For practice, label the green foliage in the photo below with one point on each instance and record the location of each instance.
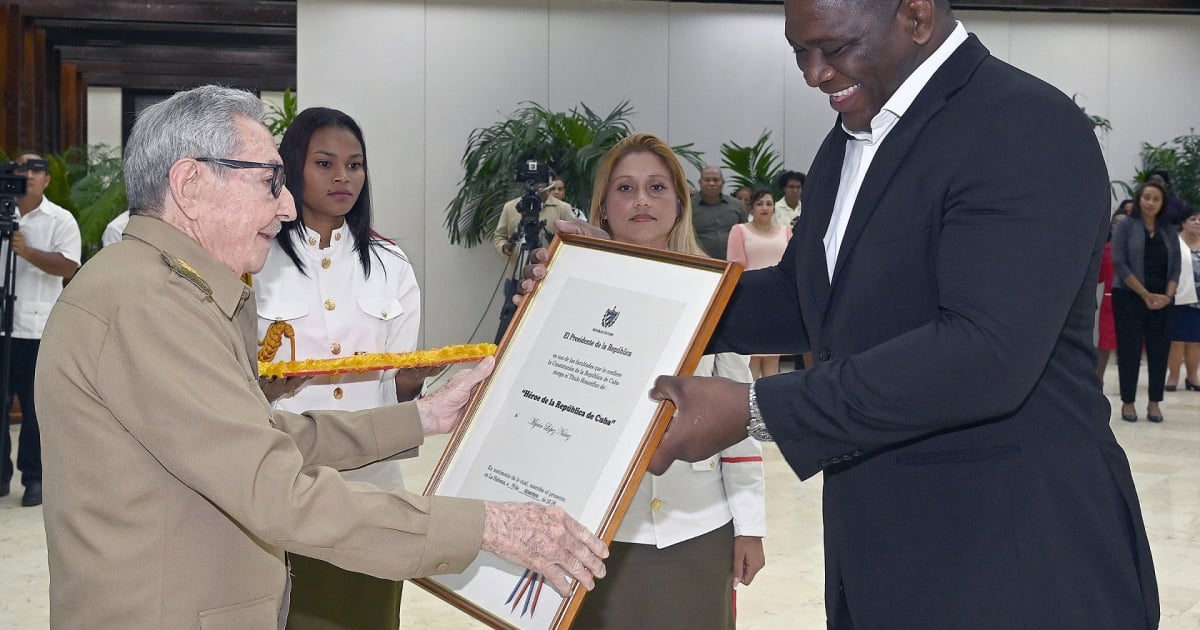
(1100, 124)
(756, 166)
(1180, 157)
(280, 118)
(573, 143)
(90, 184)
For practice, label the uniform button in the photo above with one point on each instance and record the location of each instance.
(337, 393)
(824, 354)
(655, 504)
(443, 567)
(383, 314)
(312, 240)
(337, 237)
(336, 348)
(325, 262)
(329, 305)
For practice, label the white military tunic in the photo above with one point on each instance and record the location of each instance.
(336, 312)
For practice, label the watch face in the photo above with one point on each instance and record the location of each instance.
(758, 430)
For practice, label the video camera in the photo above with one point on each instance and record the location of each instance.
(12, 186)
(536, 176)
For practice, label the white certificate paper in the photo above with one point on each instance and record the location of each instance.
(566, 418)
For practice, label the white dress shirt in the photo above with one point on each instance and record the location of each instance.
(862, 145)
(50, 228)
(336, 311)
(115, 229)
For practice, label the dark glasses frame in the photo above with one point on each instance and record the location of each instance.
(277, 177)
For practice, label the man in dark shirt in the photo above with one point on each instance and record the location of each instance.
(714, 213)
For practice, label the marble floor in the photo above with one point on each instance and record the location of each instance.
(788, 592)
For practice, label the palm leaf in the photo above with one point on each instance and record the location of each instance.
(756, 166)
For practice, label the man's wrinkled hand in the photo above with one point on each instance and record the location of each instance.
(711, 415)
(546, 540)
(441, 410)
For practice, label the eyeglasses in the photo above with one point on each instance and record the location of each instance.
(277, 179)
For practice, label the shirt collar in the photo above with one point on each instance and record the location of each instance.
(903, 98)
(228, 289)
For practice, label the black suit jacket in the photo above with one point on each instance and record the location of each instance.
(971, 478)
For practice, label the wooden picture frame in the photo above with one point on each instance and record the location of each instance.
(566, 418)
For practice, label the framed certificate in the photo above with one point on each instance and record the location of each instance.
(566, 418)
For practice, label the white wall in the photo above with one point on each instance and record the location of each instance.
(104, 116)
(420, 75)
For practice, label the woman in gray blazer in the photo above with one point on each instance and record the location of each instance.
(1145, 252)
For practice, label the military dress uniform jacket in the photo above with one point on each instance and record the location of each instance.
(172, 487)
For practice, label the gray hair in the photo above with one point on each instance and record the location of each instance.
(195, 123)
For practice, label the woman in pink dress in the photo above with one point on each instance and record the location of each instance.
(756, 244)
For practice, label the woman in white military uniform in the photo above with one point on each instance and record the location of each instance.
(344, 290)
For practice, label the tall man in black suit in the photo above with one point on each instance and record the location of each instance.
(943, 275)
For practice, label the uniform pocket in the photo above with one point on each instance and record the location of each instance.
(281, 310)
(34, 313)
(380, 307)
(261, 613)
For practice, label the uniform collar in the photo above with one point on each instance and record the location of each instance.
(225, 287)
(310, 240)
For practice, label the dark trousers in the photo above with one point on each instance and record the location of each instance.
(687, 585)
(507, 308)
(1136, 326)
(29, 447)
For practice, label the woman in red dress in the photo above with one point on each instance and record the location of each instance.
(1108, 330)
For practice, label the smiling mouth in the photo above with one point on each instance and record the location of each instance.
(843, 94)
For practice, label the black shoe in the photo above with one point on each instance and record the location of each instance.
(1129, 417)
(33, 494)
(1171, 388)
(1153, 418)
(1191, 388)
(5, 488)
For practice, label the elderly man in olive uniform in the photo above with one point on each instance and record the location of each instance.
(172, 487)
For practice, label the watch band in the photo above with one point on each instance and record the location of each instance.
(757, 428)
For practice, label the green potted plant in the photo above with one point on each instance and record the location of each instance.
(572, 142)
(757, 165)
(280, 117)
(1180, 157)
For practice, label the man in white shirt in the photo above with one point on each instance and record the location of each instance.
(47, 247)
(787, 210)
(115, 229)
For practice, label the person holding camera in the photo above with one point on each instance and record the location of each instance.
(47, 245)
(509, 238)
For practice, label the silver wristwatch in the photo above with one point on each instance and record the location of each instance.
(757, 429)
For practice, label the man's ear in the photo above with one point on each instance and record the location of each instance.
(922, 15)
(184, 182)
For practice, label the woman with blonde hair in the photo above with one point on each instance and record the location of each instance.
(694, 532)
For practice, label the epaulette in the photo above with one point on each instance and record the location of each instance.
(187, 272)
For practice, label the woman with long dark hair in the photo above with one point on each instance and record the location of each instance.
(345, 290)
(1146, 261)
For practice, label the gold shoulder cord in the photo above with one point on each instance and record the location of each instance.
(187, 272)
